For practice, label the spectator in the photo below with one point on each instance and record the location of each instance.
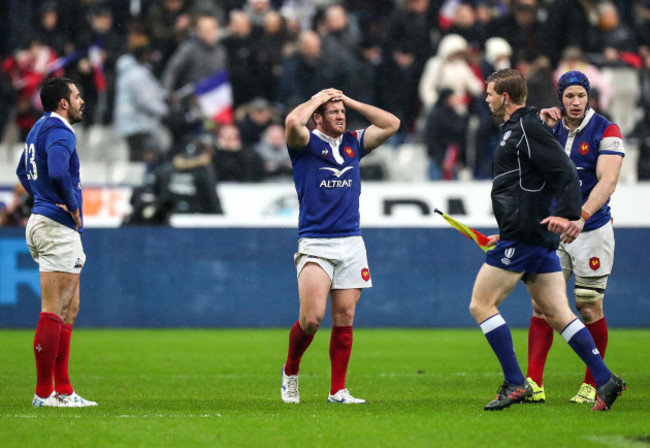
(340, 39)
(397, 81)
(193, 183)
(139, 102)
(539, 77)
(613, 39)
(234, 161)
(257, 11)
(96, 71)
(411, 27)
(273, 44)
(640, 136)
(302, 73)
(273, 152)
(574, 19)
(497, 56)
(169, 22)
(25, 70)
(49, 29)
(20, 209)
(198, 57)
(522, 28)
(465, 23)
(644, 78)
(642, 27)
(254, 118)
(152, 203)
(445, 135)
(450, 68)
(243, 66)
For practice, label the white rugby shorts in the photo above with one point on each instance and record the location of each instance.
(55, 247)
(343, 259)
(591, 254)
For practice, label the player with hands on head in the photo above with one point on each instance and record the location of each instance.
(331, 258)
(595, 146)
(49, 171)
(530, 173)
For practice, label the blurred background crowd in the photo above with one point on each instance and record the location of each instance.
(195, 91)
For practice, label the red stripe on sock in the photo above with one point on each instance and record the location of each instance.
(540, 339)
(340, 350)
(61, 377)
(600, 335)
(46, 344)
(298, 343)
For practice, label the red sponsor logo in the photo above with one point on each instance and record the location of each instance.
(349, 151)
(365, 274)
(594, 263)
(584, 148)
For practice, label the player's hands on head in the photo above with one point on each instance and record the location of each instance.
(551, 115)
(326, 95)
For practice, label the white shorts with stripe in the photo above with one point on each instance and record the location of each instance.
(343, 259)
(55, 247)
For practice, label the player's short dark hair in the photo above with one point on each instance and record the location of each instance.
(53, 90)
(510, 81)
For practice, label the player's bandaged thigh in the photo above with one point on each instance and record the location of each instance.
(590, 289)
(300, 260)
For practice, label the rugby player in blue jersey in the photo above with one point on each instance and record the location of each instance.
(331, 258)
(535, 196)
(595, 146)
(49, 171)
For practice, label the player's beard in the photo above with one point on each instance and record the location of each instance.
(76, 116)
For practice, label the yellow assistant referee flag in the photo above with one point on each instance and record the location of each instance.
(480, 239)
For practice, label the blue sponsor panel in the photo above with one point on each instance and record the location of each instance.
(164, 277)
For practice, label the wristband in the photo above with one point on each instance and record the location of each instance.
(585, 215)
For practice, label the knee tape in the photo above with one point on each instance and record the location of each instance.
(590, 289)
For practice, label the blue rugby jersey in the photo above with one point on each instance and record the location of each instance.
(49, 169)
(595, 136)
(328, 183)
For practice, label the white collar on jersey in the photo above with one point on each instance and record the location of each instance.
(334, 143)
(55, 115)
(585, 121)
(328, 139)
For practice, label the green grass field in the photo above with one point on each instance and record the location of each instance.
(194, 388)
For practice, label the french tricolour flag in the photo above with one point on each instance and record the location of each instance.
(214, 96)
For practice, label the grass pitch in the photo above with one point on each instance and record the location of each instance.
(194, 388)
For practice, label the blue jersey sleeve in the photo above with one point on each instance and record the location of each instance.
(21, 172)
(60, 147)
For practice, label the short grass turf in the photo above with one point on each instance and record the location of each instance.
(195, 388)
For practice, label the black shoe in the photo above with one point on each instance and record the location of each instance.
(607, 394)
(509, 394)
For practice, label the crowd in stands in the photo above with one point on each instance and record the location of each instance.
(139, 63)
